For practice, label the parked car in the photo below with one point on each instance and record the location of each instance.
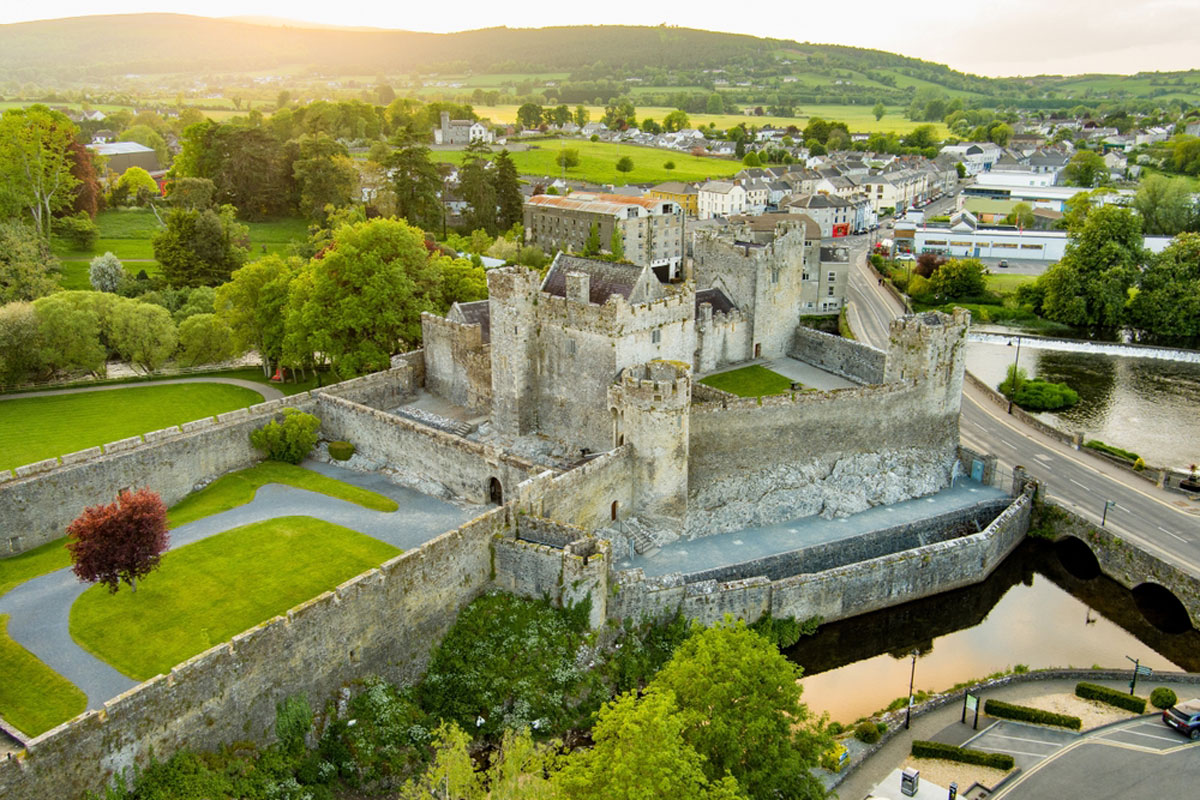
(1003, 264)
(1185, 718)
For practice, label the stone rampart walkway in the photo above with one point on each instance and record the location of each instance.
(40, 608)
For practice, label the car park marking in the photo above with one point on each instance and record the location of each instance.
(1147, 735)
(1024, 739)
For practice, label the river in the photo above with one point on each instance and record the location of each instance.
(1031, 611)
(1148, 406)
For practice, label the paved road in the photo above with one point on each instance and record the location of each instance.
(1164, 523)
(40, 608)
(268, 392)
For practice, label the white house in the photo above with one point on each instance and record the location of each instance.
(976, 157)
(720, 199)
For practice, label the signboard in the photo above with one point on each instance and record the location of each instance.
(1144, 671)
(972, 702)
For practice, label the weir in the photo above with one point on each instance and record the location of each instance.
(1085, 346)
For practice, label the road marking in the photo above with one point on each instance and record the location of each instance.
(1080, 485)
(1024, 739)
(1010, 752)
(1139, 733)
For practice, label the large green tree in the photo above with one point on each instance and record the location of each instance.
(1167, 304)
(27, 267)
(20, 345)
(958, 279)
(1166, 205)
(254, 306)
(739, 700)
(200, 248)
(249, 166)
(509, 202)
(477, 187)
(36, 165)
(417, 184)
(1085, 168)
(1089, 287)
(361, 300)
(145, 334)
(69, 335)
(324, 174)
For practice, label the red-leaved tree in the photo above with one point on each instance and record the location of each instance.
(121, 541)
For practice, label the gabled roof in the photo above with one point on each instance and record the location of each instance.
(674, 187)
(606, 278)
(716, 298)
(120, 148)
(477, 313)
(718, 187)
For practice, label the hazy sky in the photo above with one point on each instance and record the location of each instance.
(1012, 37)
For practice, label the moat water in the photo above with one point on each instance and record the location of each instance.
(1145, 405)
(1031, 611)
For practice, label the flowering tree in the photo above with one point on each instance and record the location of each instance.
(121, 541)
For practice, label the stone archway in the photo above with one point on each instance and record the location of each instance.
(1077, 558)
(495, 491)
(1161, 608)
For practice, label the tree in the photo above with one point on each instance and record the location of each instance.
(148, 137)
(362, 300)
(194, 194)
(20, 343)
(715, 104)
(1090, 285)
(27, 266)
(462, 282)
(36, 164)
(1165, 205)
(616, 244)
(69, 335)
(119, 542)
(1167, 304)
(675, 121)
(106, 273)
(625, 164)
(641, 753)
(739, 701)
(509, 201)
(290, 440)
(1021, 216)
(144, 334)
(254, 305)
(134, 186)
(751, 159)
(668, 165)
(200, 248)
(87, 192)
(417, 183)
(567, 158)
(324, 174)
(591, 246)
(79, 231)
(1084, 169)
(529, 115)
(477, 188)
(1000, 133)
(582, 115)
(959, 279)
(922, 136)
(879, 110)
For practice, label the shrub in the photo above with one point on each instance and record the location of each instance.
(783, 632)
(624, 164)
(950, 752)
(289, 441)
(1139, 465)
(105, 273)
(834, 728)
(998, 708)
(831, 759)
(341, 451)
(669, 165)
(866, 732)
(1162, 697)
(1096, 444)
(79, 231)
(1091, 691)
(1039, 395)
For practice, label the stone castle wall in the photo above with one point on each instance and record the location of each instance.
(382, 622)
(583, 496)
(721, 339)
(458, 365)
(850, 359)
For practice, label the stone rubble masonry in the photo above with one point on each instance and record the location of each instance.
(853, 360)
(458, 365)
(589, 496)
(382, 622)
(722, 339)
(832, 594)
(567, 573)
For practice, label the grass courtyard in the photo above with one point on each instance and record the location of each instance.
(207, 592)
(33, 697)
(35, 428)
(751, 381)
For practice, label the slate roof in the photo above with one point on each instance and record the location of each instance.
(477, 313)
(716, 298)
(606, 278)
(674, 187)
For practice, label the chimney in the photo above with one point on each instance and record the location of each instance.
(579, 287)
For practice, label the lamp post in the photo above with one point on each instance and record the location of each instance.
(1012, 388)
(1104, 517)
(911, 678)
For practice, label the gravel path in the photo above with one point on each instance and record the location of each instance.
(268, 392)
(40, 608)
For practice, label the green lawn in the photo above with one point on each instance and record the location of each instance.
(33, 697)
(255, 374)
(1005, 284)
(598, 162)
(16, 570)
(35, 428)
(207, 592)
(239, 488)
(751, 381)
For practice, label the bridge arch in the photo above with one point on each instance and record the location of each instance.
(1077, 558)
(1161, 608)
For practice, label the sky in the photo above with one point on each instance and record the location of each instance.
(1013, 37)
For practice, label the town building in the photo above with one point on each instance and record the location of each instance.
(461, 131)
(686, 195)
(721, 199)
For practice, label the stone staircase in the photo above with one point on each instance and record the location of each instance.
(456, 427)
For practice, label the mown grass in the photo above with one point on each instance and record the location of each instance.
(33, 697)
(207, 592)
(751, 381)
(1005, 284)
(239, 488)
(36, 428)
(48, 557)
(254, 374)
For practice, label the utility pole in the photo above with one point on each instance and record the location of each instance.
(911, 679)
(1012, 388)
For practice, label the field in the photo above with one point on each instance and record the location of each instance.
(1004, 285)
(35, 428)
(33, 697)
(598, 163)
(859, 119)
(207, 592)
(751, 381)
(127, 234)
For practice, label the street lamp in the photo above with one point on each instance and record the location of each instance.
(911, 678)
(1012, 387)
(1107, 505)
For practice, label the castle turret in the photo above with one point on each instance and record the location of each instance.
(650, 408)
(930, 347)
(512, 294)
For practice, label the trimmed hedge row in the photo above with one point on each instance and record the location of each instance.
(950, 752)
(1091, 691)
(998, 708)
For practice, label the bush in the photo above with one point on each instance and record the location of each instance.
(867, 732)
(831, 759)
(341, 451)
(783, 632)
(669, 165)
(950, 752)
(289, 441)
(1039, 395)
(106, 274)
(1096, 444)
(998, 708)
(1139, 465)
(1091, 691)
(79, 231)
(1162, 697)
(834, 728)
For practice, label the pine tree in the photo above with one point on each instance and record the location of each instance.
(508, 190)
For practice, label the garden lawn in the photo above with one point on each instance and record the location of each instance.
(207, 592)
(239, 488)
(35, 428)
(751, 381)
(33, 697)
(598, 162)
(15, 570)
(1006, 284)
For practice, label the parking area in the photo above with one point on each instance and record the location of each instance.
(1016, 266)
(1029, 745)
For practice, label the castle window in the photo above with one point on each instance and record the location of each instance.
(656, 336)
(570, 347)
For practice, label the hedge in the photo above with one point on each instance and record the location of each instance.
(342, 451)
(998, 708)
(1091, 691)
(951, 752)
(1096, 444)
